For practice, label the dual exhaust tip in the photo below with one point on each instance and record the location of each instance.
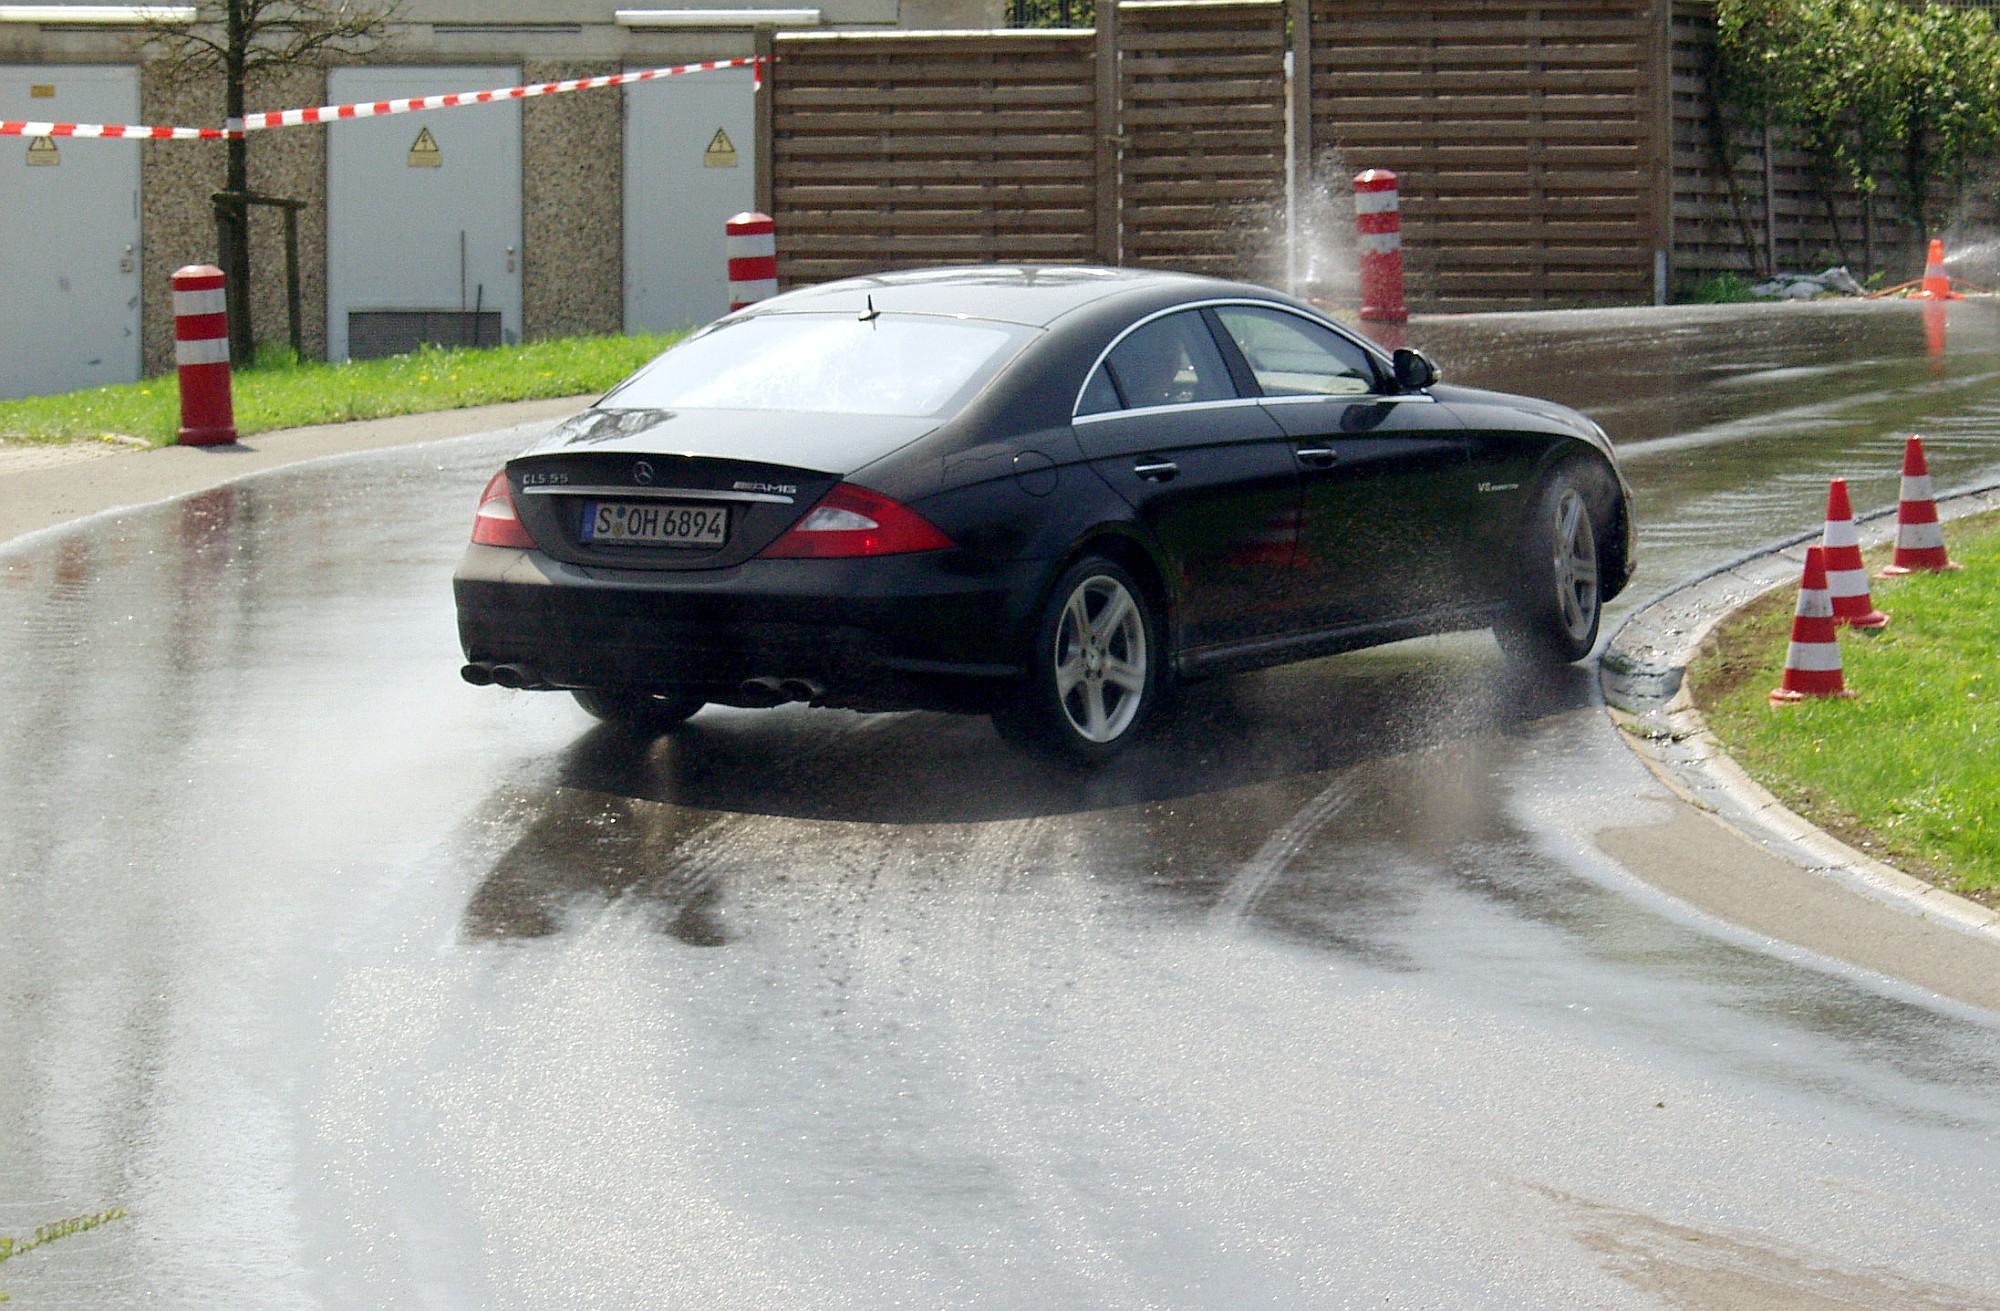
(481, 673)
(758, 692)
(778, 691)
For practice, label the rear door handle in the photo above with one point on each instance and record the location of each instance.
(1319, 457)
(1157, 471)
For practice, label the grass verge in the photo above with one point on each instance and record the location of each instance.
(1909, 769)
(279, 393)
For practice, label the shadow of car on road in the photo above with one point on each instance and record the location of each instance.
(656, 819)
(919, 768)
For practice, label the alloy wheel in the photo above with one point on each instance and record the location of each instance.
(1100, 659)
(1575, 565)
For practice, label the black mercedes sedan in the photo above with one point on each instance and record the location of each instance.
(1045, 494)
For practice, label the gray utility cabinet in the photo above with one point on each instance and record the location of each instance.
(423, 214)
(69, 232)
(690, 165)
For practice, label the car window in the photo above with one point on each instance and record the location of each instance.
(1099, 396)
(907, 365)
(1170, 361)
(1292, 356)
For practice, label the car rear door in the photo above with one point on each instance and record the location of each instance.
(1209, 472)
(1385, 475)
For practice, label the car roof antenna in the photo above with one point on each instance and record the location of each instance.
(871, 313)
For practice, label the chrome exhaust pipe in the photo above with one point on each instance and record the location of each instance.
(479, 675)
(763, 692)
(516, 676)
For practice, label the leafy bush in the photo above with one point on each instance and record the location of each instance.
(1883, 94)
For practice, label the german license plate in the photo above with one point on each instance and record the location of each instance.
(654, 523)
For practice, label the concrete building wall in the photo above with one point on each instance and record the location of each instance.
(178, 218)
(572, 145)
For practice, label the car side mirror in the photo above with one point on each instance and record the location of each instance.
(1414, 370)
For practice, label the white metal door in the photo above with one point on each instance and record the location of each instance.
(69, 233)
(423, 210)
(690, 164)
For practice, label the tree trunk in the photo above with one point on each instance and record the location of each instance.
(1917, 177)
(1722, 157)
(234, 219)
(1822, 182)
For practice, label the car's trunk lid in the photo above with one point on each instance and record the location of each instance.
(697, 489)
(630, 510)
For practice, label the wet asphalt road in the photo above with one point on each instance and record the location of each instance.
(360, 987)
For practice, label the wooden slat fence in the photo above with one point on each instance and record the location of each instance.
(1202, 176)
(1549, 153)
(1529, 140)
(898, 151)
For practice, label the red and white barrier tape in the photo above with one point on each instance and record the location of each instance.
(374, 109)
(111, 131)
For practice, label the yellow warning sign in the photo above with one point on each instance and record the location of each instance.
(721, 152)
(42, 91)
(42, 151)
(424, 152)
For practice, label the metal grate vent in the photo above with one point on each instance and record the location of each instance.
(373, 334)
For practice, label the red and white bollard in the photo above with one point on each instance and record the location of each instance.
(201, 354)
(1378, 219)
(752, 243)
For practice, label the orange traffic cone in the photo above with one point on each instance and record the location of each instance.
(1919, 539)
(1846, 576)
(1937, 283)
(1812, 665)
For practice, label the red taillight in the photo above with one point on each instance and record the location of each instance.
(497, 523)
(853, 521)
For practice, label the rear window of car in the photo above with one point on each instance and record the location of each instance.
(906, 365)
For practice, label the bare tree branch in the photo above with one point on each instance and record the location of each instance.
(228, 42)
(267, 34)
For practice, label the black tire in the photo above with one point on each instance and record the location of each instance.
(1096, 667)
(639, 712)
(1558, 592)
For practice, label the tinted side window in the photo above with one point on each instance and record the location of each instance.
(1170, 361)
(1098, 394)
(1291, 356)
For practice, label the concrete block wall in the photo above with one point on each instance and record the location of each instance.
(572, 146)
(572, 205)
(177, 179)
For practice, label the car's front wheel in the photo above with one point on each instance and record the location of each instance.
(1558, 592)
(1095, 667)
(640, 712)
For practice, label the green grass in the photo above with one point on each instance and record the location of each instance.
(1721, 289)
(1909, 769)
(281, 394)
(51, 1233)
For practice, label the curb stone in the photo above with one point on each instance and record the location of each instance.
(1643, 676)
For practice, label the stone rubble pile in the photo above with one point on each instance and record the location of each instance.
(1835, 281)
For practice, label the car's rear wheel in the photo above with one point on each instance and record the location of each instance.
(1558, 593)
(641, 712)
(1095, 667)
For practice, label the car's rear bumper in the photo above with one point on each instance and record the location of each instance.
(916, 630)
